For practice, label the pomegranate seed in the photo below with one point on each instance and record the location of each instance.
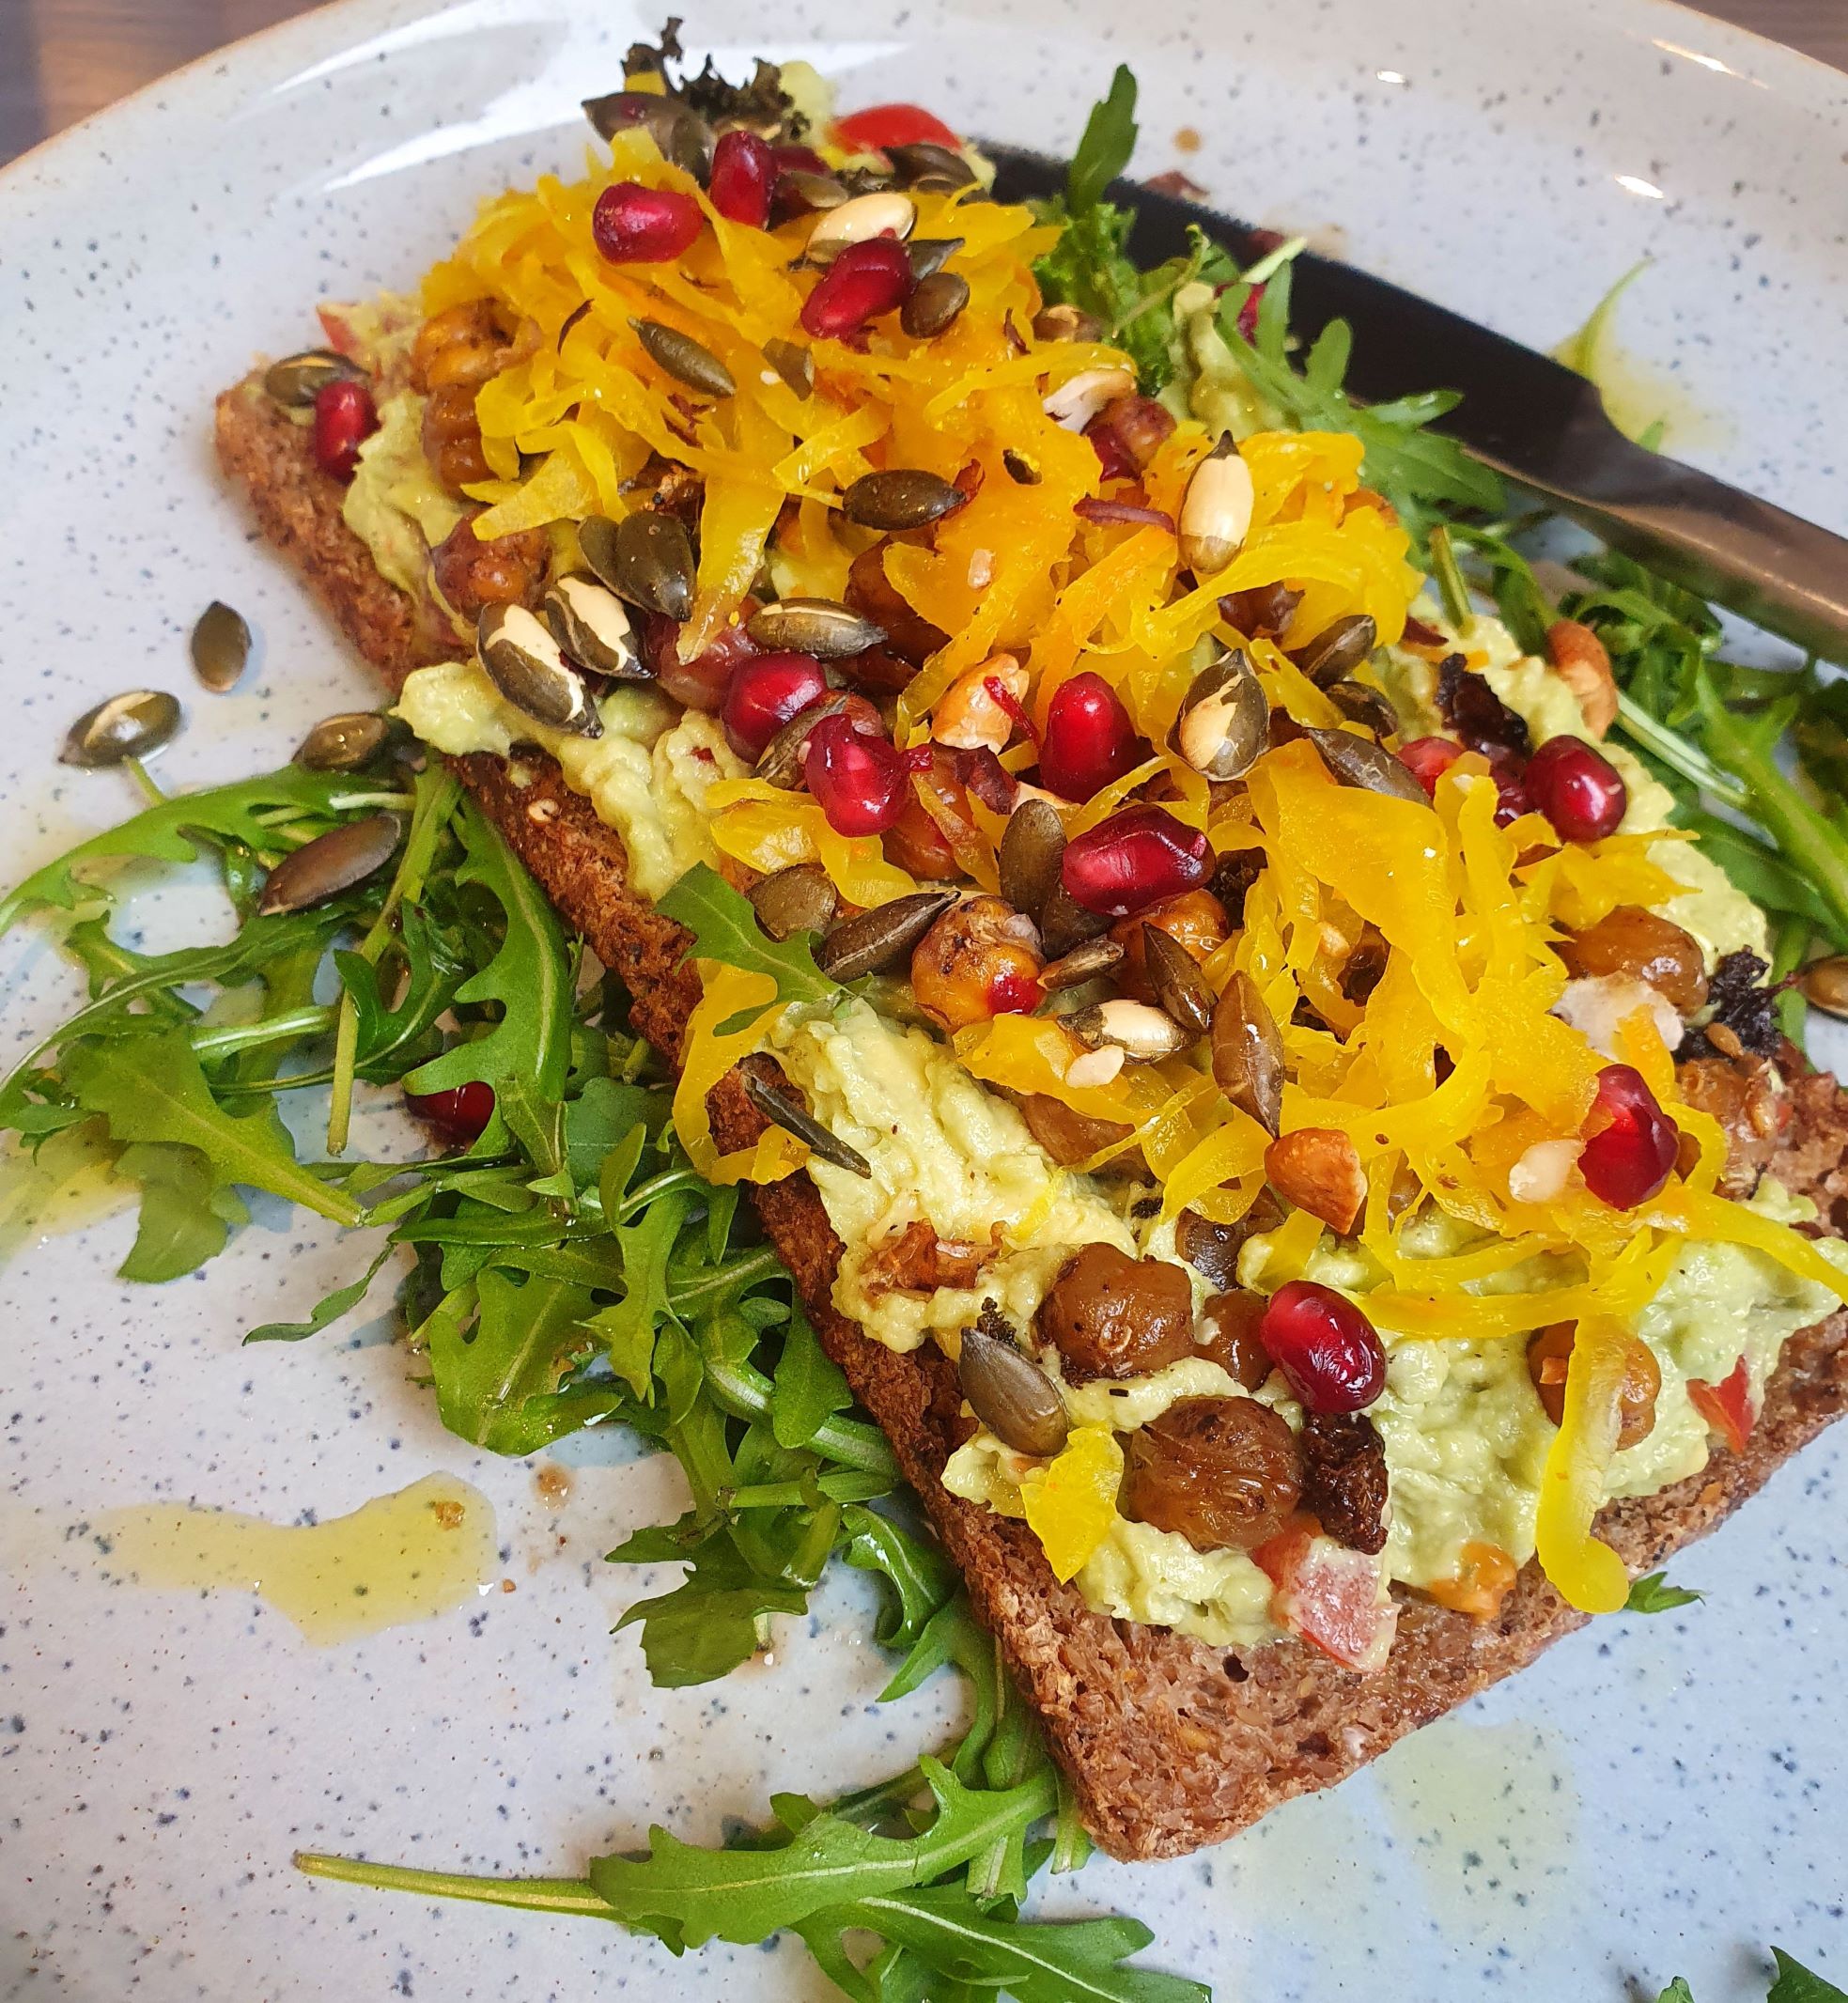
(1577, 788)
(700, 683)
(864, 281)
(1112, 454)
(860, 781)
(1428, 759)
(1632, 1146)
(765, 692)
(459, 1117)
(744, 171)
(1325, 1346)
(1512, 797)
(1135, 858)
(344, 418)
(633, 225)
(1088, 740)
(798, 160)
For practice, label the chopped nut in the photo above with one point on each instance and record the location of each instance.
(1318, 1169)
(1584, 666)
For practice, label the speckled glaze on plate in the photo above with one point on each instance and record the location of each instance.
(1658, 1797)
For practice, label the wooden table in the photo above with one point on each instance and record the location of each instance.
(62, 59)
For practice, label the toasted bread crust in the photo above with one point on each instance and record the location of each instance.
(1170, 1744)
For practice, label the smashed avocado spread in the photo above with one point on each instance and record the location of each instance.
(1244, 1027)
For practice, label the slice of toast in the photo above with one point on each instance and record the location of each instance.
(1170, 1744)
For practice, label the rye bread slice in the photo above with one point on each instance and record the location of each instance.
(1170, 1744)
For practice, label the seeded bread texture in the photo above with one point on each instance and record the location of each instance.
(1170, 1744)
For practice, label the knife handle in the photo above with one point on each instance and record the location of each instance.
(1770, 566)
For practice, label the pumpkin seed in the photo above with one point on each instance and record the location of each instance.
(941, 166)
(132, 725)
(800, 192)
(1216, 511)
(934, 304)
(1032, 850)
(1225, 724)
(1020, 469)
(680, 134)
(345, 743)
(296, 381)
(882, 937)
(1360, 761)
(794, 364)
(781, 763)
(1067, 323)
(1089, 962)
(1132, 1027)
(1248, 1052)
(1362, 704)
(592, 625)
(822, 627)
(1063, 922)
(800, 898)
(1824, 984)
(220, 648)
(523, 663)
(1176, 981)
(905, 498)
(1011, 1394)
(685, 359)
(1339, 649)
(929, 255)
(646, 558)
(331, 863)
(781, 1109)
(886, 213)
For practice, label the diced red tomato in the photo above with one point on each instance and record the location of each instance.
(1329, 1595)
(1727, 1406)
(882, 125)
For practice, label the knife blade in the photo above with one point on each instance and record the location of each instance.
(1529, 417)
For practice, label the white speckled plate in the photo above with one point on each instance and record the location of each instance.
(1658, 1795)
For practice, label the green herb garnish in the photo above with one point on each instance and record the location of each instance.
(1653, 1593)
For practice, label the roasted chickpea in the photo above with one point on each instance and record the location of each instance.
(1637, 942)
(1111, 1315)
(1071, 1137)
(871, 593)
(1222, 1472)
(461, 345)
(1212, 1250)
(979, 959)
(1549, 1356)
(452, 438)
(1232, 1340)
(504, 571)
(1196, 919)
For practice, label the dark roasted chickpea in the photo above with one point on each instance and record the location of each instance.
(504, 571)
(1222, 1472)
(1232, 1340)
(461, 345)
(1637, 942)
(1212, 1250)
(1195, 921)
(452, 438)
(1071, 1137)
(1549, 1356)
(1110, 1315)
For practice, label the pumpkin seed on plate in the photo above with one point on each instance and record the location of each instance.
(331, 863)
(592, 625)
(524, 663)
(929, 255)
(793, 362)
(221, 646)
(1337, 649)
(1011, 1394)
(646, 558)
(132, 725)
(801, 898)
(1360, 762)
(934, 304)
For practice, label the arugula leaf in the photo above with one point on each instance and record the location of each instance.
(1103, 152)
(186, 1213)
(920, 1578)
(329, 1309)
(150, 1088)
(810, 1388)
(1654, 1594)
(528, 977)
(498, 1383)
(173, 832)
(1798, 1984)
(710, 1622)
(724, 927)
(1677, 1992)
(628, 1329)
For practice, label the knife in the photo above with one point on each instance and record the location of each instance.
(1528, 417)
